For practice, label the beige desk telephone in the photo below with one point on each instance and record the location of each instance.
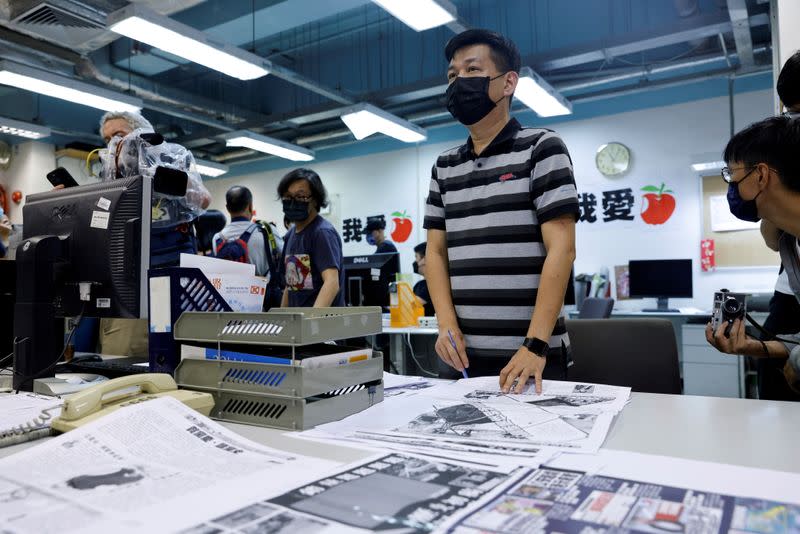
(95, 402)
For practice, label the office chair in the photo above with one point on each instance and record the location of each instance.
(596, 308)
(639, 353)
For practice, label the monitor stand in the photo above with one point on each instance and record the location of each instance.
(662, 306)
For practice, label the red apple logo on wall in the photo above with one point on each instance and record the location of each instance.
(402, 227)
(658, 205)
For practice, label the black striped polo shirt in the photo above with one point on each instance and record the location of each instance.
(491, 207)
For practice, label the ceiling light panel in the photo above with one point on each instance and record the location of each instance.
(147, 26)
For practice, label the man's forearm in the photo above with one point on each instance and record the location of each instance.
(438, 277)
(326, 294)
(550, 296)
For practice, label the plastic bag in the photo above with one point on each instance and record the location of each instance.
(133, 156)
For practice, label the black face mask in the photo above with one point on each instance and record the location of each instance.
(295, 210)
(468, 98)
(415, 267)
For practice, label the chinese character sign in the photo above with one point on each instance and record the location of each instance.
(402, 226)
(657, 205)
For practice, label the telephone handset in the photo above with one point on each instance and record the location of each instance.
(97, 401)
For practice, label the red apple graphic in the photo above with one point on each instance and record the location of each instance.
(659, 205)
(402, 227)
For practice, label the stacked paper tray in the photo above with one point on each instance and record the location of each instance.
(285, 396)
(285, 326)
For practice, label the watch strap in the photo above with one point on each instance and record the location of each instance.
(536, 346)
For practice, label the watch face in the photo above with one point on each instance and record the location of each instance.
(612, 159)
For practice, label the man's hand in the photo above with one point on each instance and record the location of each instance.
(454, 357)
(522, 366)
(59, 187)
(736, 343)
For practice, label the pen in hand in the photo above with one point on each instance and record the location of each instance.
(453, 343)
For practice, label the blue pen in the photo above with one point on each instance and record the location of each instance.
(453, 343)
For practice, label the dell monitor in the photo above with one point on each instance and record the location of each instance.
(367, 279)
(85, 251)
(662, 279)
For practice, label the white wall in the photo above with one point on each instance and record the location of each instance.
(30, 164)
(662, 141)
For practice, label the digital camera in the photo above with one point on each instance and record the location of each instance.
(727, 308)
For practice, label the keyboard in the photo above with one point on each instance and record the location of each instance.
(111, 368)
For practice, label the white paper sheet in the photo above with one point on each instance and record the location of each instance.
(23, 408)
(209, 264)
(155, 466)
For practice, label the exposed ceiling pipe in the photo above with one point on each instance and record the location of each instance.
(647, 70)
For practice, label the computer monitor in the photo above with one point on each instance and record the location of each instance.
(85, 251)
(367, 279)
(662, 279)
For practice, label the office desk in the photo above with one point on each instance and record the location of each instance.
(751, 433)
(746, 432)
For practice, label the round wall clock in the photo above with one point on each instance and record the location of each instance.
(613, 159)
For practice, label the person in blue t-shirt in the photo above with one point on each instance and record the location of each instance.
(312, 252)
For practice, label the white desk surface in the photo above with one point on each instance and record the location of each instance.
(409, 330)
(746, 432)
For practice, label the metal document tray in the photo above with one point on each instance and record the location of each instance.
(285, 326)
(284, 396)
(290, 396)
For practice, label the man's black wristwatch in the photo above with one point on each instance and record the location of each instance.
(536, 346)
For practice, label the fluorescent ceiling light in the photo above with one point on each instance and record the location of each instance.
(143, 24)
(708, 166)
(420, 15)
(365, 120)
(23, 129)
(210, 168)
(57, 86)
(268, 145)
(540, 96)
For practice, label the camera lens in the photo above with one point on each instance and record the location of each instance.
(731, 306)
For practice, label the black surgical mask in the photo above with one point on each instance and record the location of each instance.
(746, 210)
(295, 210)
(468, 98)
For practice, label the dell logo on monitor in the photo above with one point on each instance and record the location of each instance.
(362, 259)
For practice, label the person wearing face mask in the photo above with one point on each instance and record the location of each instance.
(421, 287)
(500, 217)
(376, 236)
(763, 175)
(312, 248)
(784, 309)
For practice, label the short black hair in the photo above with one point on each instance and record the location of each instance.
(504, 52)
(238, 198)
(318, 192)
(773, 141)
(421, 248)
(788, 85)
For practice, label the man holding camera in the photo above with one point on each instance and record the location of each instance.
(763, 176)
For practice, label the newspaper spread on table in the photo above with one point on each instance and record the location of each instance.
(153, 466)
(618, 491)
(473, 420)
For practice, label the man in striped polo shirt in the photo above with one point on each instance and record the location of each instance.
(500, 216)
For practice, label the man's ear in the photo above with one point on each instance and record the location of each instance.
(512, 78)
(764, 175)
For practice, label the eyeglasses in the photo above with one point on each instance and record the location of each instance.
(298, 198)
(727, 173)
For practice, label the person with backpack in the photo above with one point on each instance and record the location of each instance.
(242, 239)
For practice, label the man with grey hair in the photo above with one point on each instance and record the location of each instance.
(171, 233)
(121, 123)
